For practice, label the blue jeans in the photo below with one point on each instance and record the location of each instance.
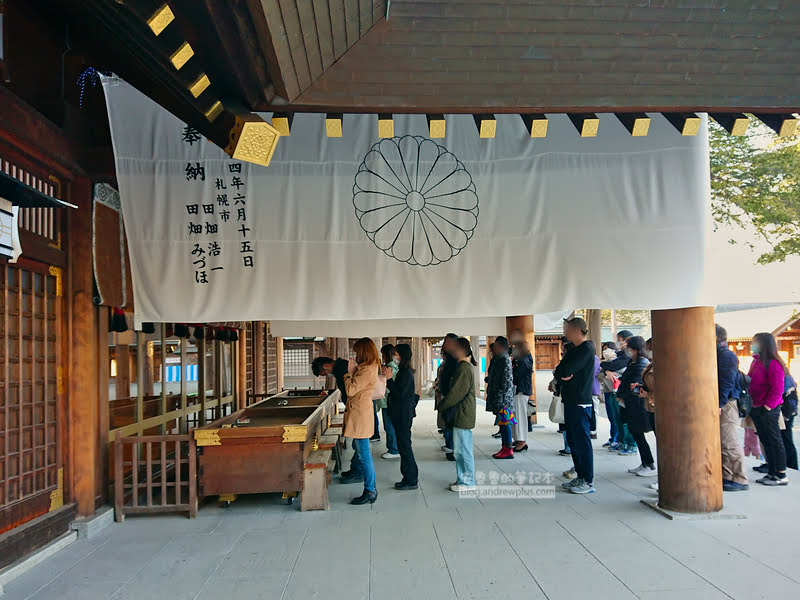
(612, 412)
(388, 427)
(362, 456)
(462, 452)
(577, 419)
(505, 434)
(566, 442)
(448, 438)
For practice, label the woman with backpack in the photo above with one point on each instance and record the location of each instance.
(458, 411)
(767, 378)
(500, 395)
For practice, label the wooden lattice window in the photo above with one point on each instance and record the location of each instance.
(29, 427)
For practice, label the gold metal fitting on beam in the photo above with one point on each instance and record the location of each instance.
(161, 19)
(733, 123)
(385, 126)
(637, 124)
(437, 126)
(685, 123)
(587, 124)
(207, 437)
(181, 56)
(536, 125)
(782, 124)
(282, 122)
(487, 125)
(294, 433)
(215, 111)
(200, 86)
(333, 125)
(252, 140)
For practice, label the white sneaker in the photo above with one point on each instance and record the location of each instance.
(570, 474)
(636, 470)
(654, 486)
(446, 449)
(648, 472)
(389, 455)
(460, 487)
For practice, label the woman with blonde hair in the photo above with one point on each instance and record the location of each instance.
(359, 424)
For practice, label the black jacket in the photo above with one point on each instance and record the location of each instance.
(578, 362)
(634, 414)
(402, 392)
(523, 372)
(727, 374)
(339, 371)
(446, 375)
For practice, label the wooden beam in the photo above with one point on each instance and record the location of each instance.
(782, 124)
(733, 123)
(587, 124)
(637, 124)
(536, 125)
(687, 123)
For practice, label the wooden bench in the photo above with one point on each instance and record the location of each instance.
(317, 471)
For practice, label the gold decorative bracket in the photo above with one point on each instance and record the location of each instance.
(207, 437)
(294, 433)
(57, 495)
(252, 140)
(59, 275)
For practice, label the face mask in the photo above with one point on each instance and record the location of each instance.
(609, 354)
(648, 354)
(754, 348)
(628, 353)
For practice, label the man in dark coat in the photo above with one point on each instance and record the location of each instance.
(324, 366)
(575, 374)
(734, 478)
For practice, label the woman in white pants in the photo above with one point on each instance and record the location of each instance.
(523, 381)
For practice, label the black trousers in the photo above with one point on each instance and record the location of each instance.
(788, 444)
(644, 449)
(770, 435)
(408, 465)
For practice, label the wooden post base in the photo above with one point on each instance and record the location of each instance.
(687, 410)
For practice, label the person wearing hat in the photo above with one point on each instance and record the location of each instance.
(575, 374)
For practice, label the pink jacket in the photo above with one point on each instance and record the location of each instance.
(766, 385)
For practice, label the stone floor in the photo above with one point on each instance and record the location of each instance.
(432, 544)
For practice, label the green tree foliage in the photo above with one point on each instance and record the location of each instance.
(627, 317)
(755, 184)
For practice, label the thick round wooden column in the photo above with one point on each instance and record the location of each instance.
(525, 324)
(595, 322)
(687, 410)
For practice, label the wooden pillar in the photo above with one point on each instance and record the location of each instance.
(475, 344)
(392, 341)
(82, 355)
(595, 322)
(122, 380)
(613, 325)
(241, 364)
(279, 362)
(259, 385)
(687, 410)
(149, 366)
(524, 323)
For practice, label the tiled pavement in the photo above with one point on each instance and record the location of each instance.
(432, 544)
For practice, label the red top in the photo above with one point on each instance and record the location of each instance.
(766, 385)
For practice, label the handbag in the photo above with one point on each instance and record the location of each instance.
(557, 410)
(745, 401)
(449, 414)
(380, 387)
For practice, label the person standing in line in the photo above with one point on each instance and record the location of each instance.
(389, 361)
(789, 410)
(609, 397)
(500, 395)
(767, 380)
(402, 410)
(458, 407)
(360, 384)
(734, 478)
(575, 373)
(596, 390)
(613, 369)
(444, 380)
(635, 413)
(523, 382)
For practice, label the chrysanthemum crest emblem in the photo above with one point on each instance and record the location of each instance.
(415, 200)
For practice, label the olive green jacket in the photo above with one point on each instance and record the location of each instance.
(462, 388)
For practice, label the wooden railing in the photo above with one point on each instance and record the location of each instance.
(162, 475)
